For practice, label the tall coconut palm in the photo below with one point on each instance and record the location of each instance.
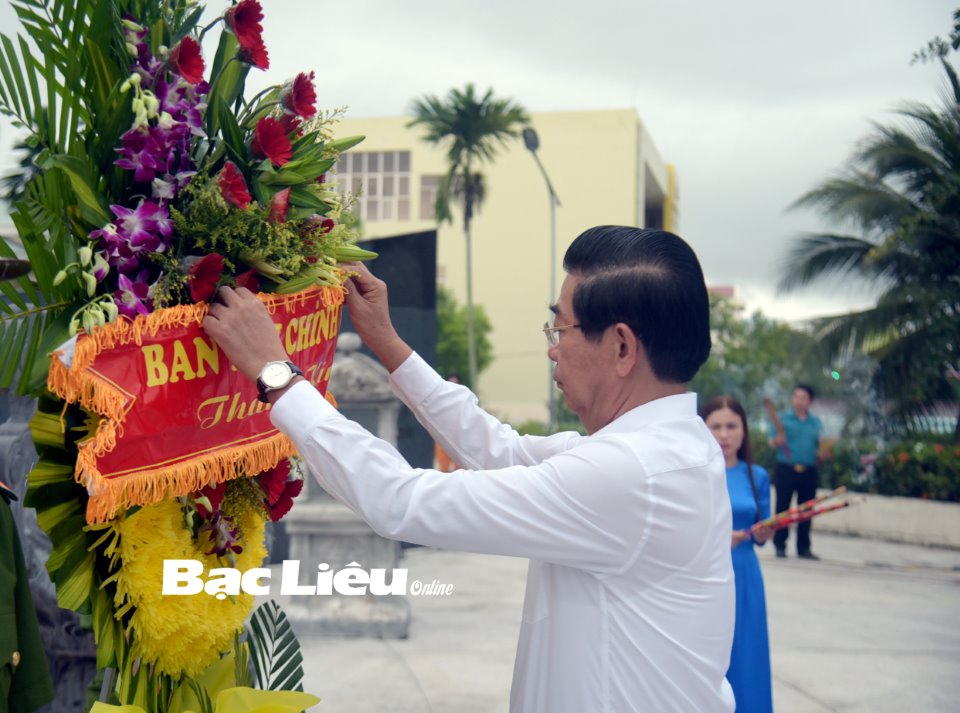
(901, 192)
(473, 128)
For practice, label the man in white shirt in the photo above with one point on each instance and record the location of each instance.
(630, 600)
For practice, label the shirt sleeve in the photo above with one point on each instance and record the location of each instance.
(452, 415)
(579, 508)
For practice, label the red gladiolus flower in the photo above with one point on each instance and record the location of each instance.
(187, 61)
(256, 55)
(249, 280)
(285, 501)
(290, 123)
(938, 448)
(232, 186)
(270, 141)
(903, 457)
(299, 96)
(278, 490)
(244, 21)
(273, 481)
(279, 206)
(204, 276)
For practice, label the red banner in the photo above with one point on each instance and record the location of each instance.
(176, 414)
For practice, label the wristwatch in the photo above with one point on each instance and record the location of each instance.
(275, 375)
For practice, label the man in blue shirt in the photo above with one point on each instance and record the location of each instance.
(797, 442)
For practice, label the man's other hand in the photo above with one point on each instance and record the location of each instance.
(370, 314)
(240, 325)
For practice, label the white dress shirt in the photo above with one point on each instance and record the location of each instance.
(630, 592)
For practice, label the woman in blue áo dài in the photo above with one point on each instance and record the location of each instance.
(749, 487)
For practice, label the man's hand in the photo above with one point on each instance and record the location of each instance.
(240, 325)
(370, 314)
(738, 537)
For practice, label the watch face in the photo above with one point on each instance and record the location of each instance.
(275, 375)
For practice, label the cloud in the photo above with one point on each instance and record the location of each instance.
(753, 102)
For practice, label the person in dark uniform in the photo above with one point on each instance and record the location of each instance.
(797, 442)
(25, 683)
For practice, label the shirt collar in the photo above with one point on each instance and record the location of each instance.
(669, 408)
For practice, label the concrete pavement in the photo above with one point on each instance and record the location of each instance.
(873, 626)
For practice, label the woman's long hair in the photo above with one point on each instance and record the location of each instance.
(743, 453)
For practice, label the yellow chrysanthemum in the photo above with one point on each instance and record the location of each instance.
(180, 634)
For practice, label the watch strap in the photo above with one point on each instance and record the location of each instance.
(263, 389)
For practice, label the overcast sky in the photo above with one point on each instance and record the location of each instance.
(754, 102)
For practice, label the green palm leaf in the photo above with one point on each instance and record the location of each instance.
(62, 201)
(275, 650)
(902, 190)
(815, 256)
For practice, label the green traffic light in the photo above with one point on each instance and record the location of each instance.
(835, 375)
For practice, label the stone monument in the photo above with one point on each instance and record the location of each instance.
(326, 534)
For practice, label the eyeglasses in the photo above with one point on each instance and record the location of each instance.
(553, 333)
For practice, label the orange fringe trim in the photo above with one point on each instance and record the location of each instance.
(108, 495)
(77, 383)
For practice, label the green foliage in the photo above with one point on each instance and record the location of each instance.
(567, 420)
(77, 564)
(927, 468)
(937, 49)
(13, 186)
(901, 194)
(919, 469)
(65, 82)
(452, 337)
(275, 650)
(763, 453)
(755, 354)
(72, 88)
(214, 227)
(532, 427)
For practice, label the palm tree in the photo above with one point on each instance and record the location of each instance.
(902, 193)
(473, 127)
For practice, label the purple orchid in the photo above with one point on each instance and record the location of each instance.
(164, 225)
(157, 150)
(107, 235)
(101, 268)
(163, 189)
(139, 226)
(142, 154)
(193, 117)
(133, 295)
(183, 178)
(223, 537)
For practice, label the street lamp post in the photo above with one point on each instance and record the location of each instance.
(532, 142)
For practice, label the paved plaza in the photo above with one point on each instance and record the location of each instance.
(873, 627)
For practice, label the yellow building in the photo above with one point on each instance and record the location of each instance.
(605, 170)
